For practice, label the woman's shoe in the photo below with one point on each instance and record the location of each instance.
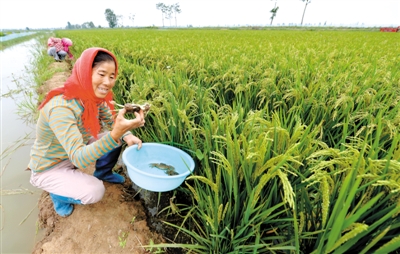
(64, 205)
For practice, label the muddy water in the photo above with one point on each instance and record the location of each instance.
(18, 198)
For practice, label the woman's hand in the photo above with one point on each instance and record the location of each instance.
(132, 140)
(122, 125)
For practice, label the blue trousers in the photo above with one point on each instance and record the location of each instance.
(60, 55)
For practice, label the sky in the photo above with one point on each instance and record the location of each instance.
(36, 14)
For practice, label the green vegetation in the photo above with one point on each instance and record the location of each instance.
(295, 133)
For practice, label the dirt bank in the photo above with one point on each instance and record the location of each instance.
(116, 224)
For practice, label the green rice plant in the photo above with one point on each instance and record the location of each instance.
(295, 133)
(349, 224)
(230, 171)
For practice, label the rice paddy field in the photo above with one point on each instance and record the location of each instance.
(295, 134)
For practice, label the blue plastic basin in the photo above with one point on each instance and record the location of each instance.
(140, 171)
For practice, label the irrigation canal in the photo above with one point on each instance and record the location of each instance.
(19, 212)
(14, 35)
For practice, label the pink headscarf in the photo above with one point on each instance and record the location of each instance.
(66, 44)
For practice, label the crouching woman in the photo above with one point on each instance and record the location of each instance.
(68, 134)
(59, 48)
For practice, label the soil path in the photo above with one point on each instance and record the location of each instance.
(116, 224)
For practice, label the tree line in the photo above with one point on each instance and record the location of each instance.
(167, 12)
(86, 25)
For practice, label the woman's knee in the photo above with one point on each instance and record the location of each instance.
(62, 54)
(95, 194)
(51, 51)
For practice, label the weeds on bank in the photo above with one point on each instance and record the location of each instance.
(133, 220)
(122, 239)
(154, 249)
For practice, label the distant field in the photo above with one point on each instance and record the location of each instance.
(295, 133)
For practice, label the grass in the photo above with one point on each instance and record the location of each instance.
(122, 237)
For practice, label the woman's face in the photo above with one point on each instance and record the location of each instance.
(103, 78)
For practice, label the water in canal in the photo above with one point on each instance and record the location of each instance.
(19, 199)
(15, 35)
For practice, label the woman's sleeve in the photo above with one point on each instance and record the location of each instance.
(50, 42)
(64, 125)
(70, 54)
(105, 115)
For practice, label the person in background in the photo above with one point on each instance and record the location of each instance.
(69, 137)
(59, 48)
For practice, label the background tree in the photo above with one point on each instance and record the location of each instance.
(168, 12)
(307, 2)
(69, 26)
(162, 7)
(132, 18)
(120, 20)
(176, 9)
(111, 18)
(88, 25)
(274, 11)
